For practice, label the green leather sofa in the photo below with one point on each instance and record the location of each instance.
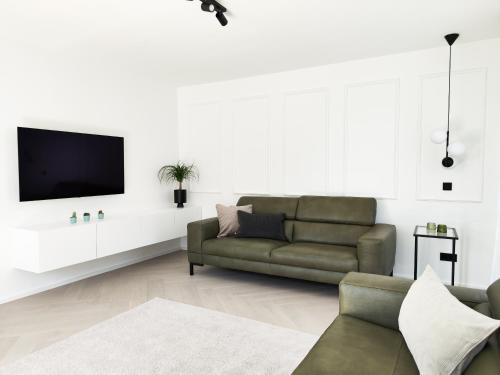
(327, 238)
(364, 338)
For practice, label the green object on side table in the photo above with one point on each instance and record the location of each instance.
(365, 339)
(86, 217)
(442, 228)
(100, 215)
(326, 237)
(73, 219)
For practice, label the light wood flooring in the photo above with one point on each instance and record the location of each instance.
(35, 322)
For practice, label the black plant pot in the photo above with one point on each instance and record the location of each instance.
(180, 197)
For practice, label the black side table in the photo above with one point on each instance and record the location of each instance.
(421, 231)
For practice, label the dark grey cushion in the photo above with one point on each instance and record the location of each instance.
(270, 226)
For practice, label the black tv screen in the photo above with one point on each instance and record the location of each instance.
(56, 164)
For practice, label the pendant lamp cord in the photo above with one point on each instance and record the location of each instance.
(449, 105)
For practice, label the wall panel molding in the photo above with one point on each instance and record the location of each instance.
(203, 144)
(467, 124)
(251, 148)
(309, 129)
(376, 171)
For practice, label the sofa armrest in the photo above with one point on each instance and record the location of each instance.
(377, 299)
(377, 250)
(374, 298)
(199, 231)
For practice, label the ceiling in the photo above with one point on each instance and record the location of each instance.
(176, 38)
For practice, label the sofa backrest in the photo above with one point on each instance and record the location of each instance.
(274, 205)
(333, 220)
(322, 219)
(337, 210)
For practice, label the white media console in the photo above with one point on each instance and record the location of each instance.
(45, 247)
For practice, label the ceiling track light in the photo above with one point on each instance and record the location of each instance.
(207, 7)
(211, 6)
(222, 18)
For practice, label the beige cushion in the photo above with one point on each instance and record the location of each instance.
(442, 333)
(228, 218)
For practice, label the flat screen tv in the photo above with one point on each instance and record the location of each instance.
(56, 164)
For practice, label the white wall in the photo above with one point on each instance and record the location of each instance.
(495, 270)
(48, 91)
(361, 128)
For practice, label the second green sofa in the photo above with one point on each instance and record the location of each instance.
(365, 337)
(327, 237)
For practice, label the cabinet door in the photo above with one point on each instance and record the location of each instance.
(157, 227)
(66, 246)
(183, 217)
(118, 235)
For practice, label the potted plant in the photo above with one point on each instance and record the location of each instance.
(178, 172)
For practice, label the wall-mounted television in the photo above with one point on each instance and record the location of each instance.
(57, 164)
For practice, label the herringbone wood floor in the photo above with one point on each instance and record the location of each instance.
(34, 322)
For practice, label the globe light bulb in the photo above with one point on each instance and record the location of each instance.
(438, 136)
(456, 149)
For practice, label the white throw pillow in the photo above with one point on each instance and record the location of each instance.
(442, 333)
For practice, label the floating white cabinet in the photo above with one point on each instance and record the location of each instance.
(116, 236)
(46, 247)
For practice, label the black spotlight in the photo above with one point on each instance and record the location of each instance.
(222, 18)
(207, 7)
(214, 6)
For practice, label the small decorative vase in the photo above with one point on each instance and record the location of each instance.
(100, 215)
(442, 228)
(431, 227)
(180, 197)
(72, 220)
(86, 217)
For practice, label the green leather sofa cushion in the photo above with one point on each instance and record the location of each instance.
(316, 256)
(493, 293)
(378, 299)
(256, 249)
(335, 234)
(271, 205)
(319, 276)
(351, 346)
(341, 210)
(289, 224)
(494, 298)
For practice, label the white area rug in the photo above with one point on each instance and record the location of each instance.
(165, 337)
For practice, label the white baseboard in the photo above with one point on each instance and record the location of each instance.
(69, 280)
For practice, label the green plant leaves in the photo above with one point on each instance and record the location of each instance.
(179, 172)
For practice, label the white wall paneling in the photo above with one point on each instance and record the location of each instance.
(362, 128)
(251, 145)
(468, 105)
(203, 145)
(306, 140)
(371, 139)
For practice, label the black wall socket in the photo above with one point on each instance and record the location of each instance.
(447, 186)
